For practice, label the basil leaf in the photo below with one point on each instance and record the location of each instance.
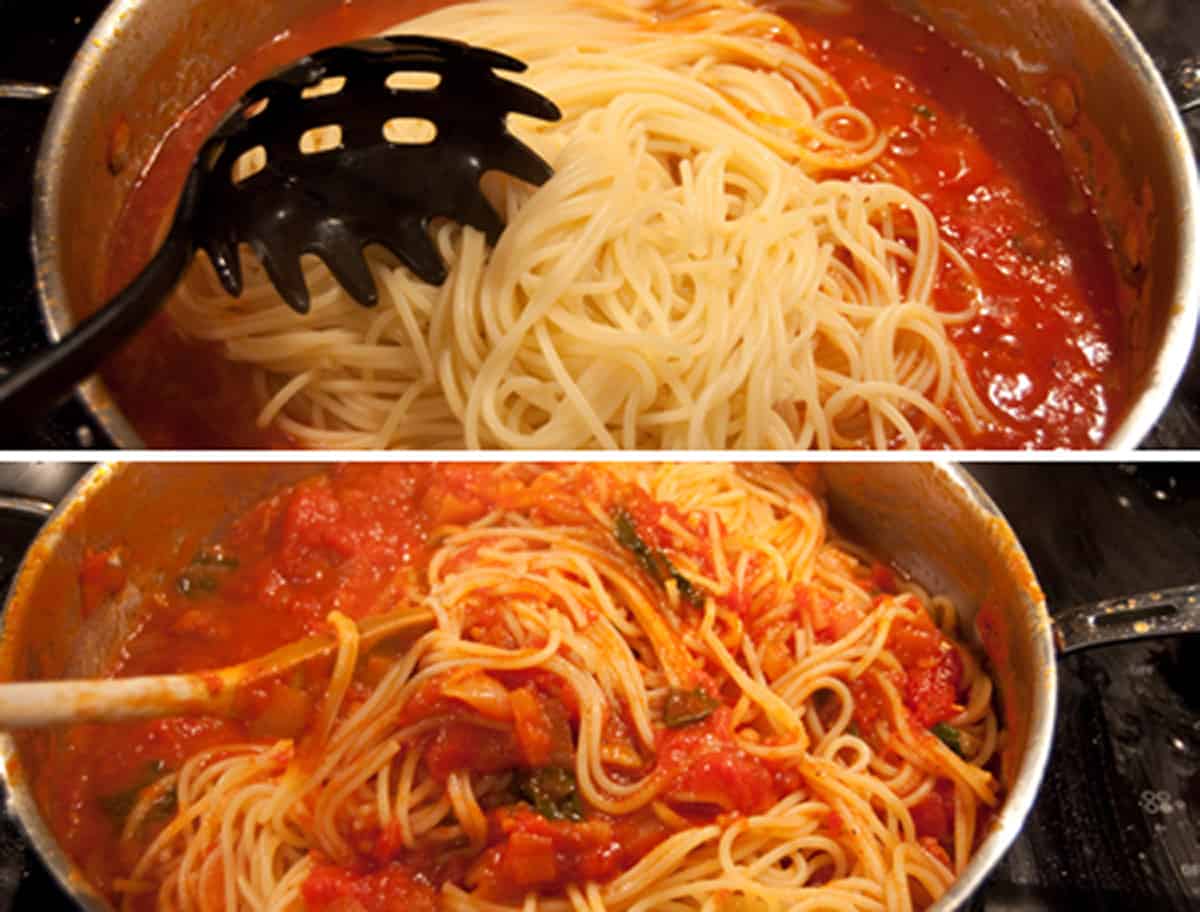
(214, 557)
(653, 561)
(194, 583)
(949, 736)
(628, 538)
(165, 806)
(502, 798)
(204, 574)
(551, 791)
(686, 707)
(687, 591)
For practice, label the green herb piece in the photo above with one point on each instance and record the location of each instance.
(654, 562)
(500, 798)
(924, 111)
(949, 736)
(551, 791)
(203, 574)
(119, 804)
(194, 583)
(650, 560)
(687, 591)
(686, 707)
(214, 557)
(1032, 247)
(164, 806)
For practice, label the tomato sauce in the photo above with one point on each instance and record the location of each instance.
(930, 682)
(338, 541)
(101, 576)
(705, 768)
(933, 816)
(933, 670)
(1045, 353)
(356, 539)
(382, 889)
(530, 853)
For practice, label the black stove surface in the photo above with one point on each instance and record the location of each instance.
(41, 48)
(1117, 823)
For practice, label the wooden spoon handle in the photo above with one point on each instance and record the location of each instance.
(41, 703)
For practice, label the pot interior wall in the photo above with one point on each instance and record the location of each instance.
(161, 513)
(933, 525)
(144, 64)
(1087, 80)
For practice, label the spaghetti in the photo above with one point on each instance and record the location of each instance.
(648, 687)
(700, 272)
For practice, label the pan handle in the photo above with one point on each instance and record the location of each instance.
(1164, 612)
(26, 91)
(33, 508)
(30, 513)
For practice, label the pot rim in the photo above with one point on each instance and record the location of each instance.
(72, 97)
(20, 804)
(1178, 340)
(1008, 823)
(1163, 374)
(1018, 802)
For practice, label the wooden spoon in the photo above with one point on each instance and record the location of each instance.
(36, 704)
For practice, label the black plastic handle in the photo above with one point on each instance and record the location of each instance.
(51, 375)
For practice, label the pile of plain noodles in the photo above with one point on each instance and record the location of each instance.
(693, 276)
(253, 820)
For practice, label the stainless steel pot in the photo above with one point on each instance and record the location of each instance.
(931, 520)
(1074, 61)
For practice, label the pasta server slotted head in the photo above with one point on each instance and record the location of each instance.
(373, 184)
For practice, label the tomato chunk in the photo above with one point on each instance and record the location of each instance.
(933, 668)
(705, 767)
(102, 574)
(530, 853)
(386, 889)
(933, 816)
(460, 746)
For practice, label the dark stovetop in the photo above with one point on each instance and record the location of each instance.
(38, 51)
(41, 48)
(1117, 823)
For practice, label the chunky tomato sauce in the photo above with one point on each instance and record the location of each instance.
(382, 889)
(359, 538)
(1045, 354)
(341, 541)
